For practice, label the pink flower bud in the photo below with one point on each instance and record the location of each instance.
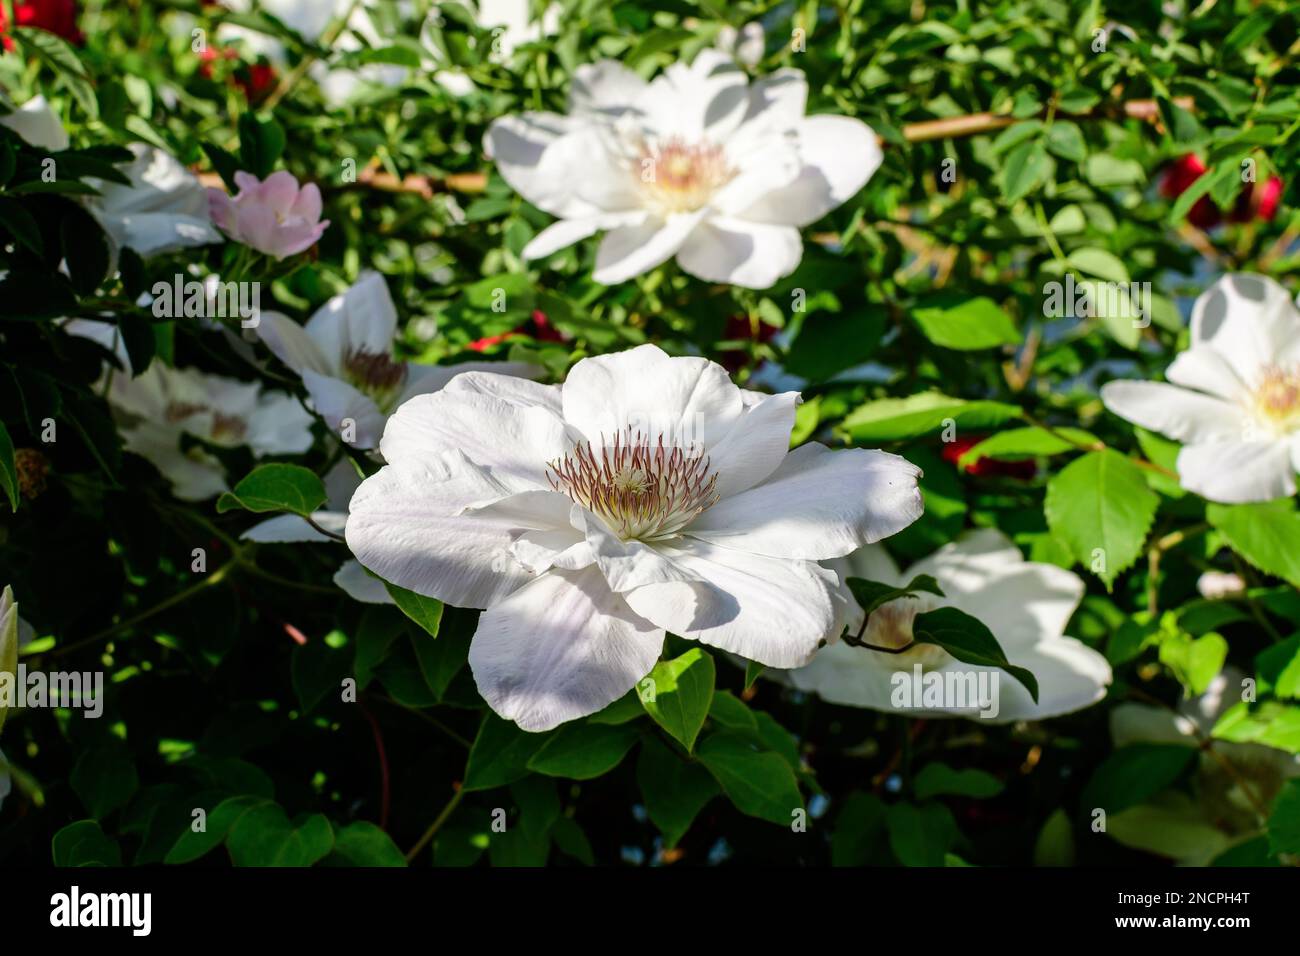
(277, 216)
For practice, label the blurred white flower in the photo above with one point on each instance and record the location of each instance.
(164, 209)
(344, 355)
(1194, 829)
(647, 493)
(699, 165)
(1025, 604)
(36, 122)
(1217, 585)
(163, 403)
(1234, 397)
(341, 482)
(8, 639)
(747, 45)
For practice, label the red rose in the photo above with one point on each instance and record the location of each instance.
(1259, 201)
(256, 81)
(57, 16)
(1024, 469)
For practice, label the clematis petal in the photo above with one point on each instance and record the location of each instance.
(514, 388)
(605, 88)
(353, 580)
(630, 251)
(1237, 472)
(817, 504)
(1206, 370)
(405, 524)
(689, 400)
(345, 410)
(756, 444)
(1250, 320)
(363, 319)
(514, 442)
(562, 647)
(839, 155)
(1181, 415)
(751, 254)
(292, 345)
(737, 597)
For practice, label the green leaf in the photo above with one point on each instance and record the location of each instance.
(500, 754)
(264, 836)
(1265, 534)
(261, 142)
(104, 778)
(1195, 661)
(1020, 443)
(1065, 139)
(1026, 167)
(829, 343)
(625, 709)
(753, 669)
(539, 805)
(22, 225)
(870, 595)
(1055, 843)
(1284, 821)
(760, 783)
(424, 611)
(938, 779)
(674, 790)
(1279, 668)
(920, 835)
(569, 839)
(1273, 724)
(954, 321)
(1133, 774)
(364, 844)
(859, 829)
(1101, 507)
(730, 711)
(679, 694)
(970, 641)
(84, 843)
(8, 469)
(60, 57)
(276, 487)
(895, 419)
(1099, 263)
(216, 826)
(583, 751)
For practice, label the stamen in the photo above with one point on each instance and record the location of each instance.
(375, 374)
(1276, 398)
(681, 177)
(639, 488)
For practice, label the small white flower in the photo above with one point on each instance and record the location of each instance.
(698, 165)
(1025, 604)
(164, 209)
(341, 482)
(163, 403)
(1234, 397)
(645, 494)
(344, 355)
(1218, 585)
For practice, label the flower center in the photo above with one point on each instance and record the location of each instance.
(225, 428)
(1277, 398)
(375, 374)
(681, 177)
(640, 488)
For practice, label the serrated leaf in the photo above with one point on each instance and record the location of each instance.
(1265, 534)
(1101, 507)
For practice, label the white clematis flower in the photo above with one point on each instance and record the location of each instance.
(344, 355)
(163, 403)
(36, 122)
(699, 165)
(164, 209)
(1025, 604)
(1234, 395)
(341, 482)
(1220, 814)
(646, 494)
